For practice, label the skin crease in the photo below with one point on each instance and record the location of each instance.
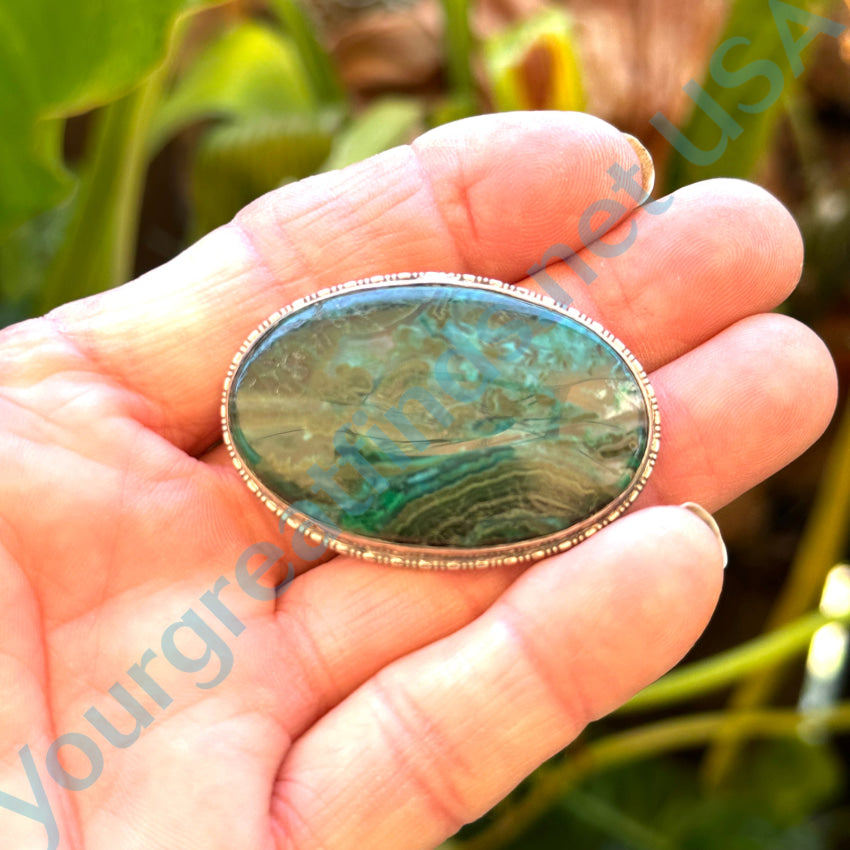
(367, 706)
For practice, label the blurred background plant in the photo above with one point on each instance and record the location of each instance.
(131, 129)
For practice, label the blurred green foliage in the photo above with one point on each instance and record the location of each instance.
(259, 96)
(659, 805)
(59, 59)
(259, 103)
(742, 83)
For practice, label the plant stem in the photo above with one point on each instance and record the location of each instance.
(723, 669)
(554, 780)
(320, 71)
(458, 40)
(99, 244)
(822, 545)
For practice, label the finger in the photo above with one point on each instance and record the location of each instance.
(738, 408)
(436, 738)
(487, 195)
(687, 267)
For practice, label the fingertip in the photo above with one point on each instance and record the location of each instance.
(655, 561)
(512, 186)
(686, 553)
(740, 407)
(769, 235)
(802, 380)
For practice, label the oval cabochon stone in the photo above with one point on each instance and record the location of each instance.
(440, 420)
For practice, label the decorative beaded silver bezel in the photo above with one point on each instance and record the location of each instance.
(430, 557)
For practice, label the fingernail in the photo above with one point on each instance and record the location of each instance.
(708, 519)
(647, 169)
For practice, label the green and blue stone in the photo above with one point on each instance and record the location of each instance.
(440, 420)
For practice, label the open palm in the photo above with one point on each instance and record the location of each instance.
(156, 692)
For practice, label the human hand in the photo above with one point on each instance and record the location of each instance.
(365, 705)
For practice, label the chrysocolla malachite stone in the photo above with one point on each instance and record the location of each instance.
(440, 420)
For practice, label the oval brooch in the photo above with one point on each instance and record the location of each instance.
(439, 420)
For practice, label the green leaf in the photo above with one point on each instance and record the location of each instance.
(59, 59)
(386, 123)
(557, 829)
(611, 821)
(733, 824)
(237, 162)
(248, 70)
(543, 44)
(750, 21)
(25, 254)
(787, 779)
